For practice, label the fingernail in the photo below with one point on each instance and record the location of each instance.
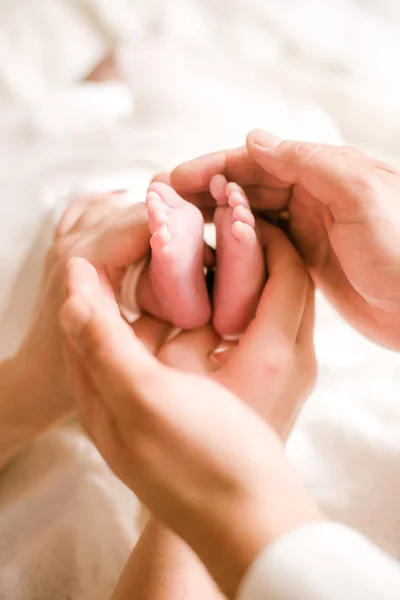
(219, 356)
(216, 356)
(222, 352)
(76, 315)
(264, 140)
(232, 338)
(218, 351)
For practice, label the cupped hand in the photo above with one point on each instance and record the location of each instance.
(99, 228)
(273, 367)
(344, 216)
(195, 454)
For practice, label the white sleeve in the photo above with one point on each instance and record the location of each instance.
(321, 562)
(48, 44)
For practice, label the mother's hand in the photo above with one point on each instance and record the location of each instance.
(101, 229)
(273, 366)
(344, 217)
(196, 455)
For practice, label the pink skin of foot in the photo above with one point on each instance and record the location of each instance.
(172, 286)
(240, 268)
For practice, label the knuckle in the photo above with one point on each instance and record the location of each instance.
(352, 151)
(94, 343)
(285, 146)
(58, 252)
(305, 151)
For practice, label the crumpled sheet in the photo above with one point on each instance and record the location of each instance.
(67, 525)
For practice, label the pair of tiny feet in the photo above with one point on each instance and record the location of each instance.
(172, 285)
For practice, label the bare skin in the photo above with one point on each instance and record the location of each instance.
(172, 286)
(240, 273)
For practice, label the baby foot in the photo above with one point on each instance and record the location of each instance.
(240, 269)
(172, 286)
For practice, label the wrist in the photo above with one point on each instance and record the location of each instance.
(44, 390)
(39, 362)
(245, 531)
(31, 399)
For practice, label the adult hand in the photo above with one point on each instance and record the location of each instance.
(161, 565)
(174, 437)
(344, 216)
(100, 228)
(273, 367)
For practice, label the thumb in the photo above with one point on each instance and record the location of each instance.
(339, 177)
(114, 359)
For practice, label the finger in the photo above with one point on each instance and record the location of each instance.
(151, 332)
(265, 191)
(99, 207)
(236, 165)
(114, 358)
(125, 240)
(267, 199)
(73, 213)
(87, 210)
(195, 175)
(282, 303)
(305, 337)
(343, 179)
(97, 419)
(189, 351)
(85, 392)
(83, 277)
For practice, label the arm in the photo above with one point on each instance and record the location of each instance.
(34, 388)
(16, 410)
(27, 406)
(162, 567)
(321, 562)
(174, 438)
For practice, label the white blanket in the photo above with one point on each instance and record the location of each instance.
(200, 82)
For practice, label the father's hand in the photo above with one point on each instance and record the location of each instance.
(344, 211)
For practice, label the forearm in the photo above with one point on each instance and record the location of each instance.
(15, 427)
(29, 403)
(162, 567)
